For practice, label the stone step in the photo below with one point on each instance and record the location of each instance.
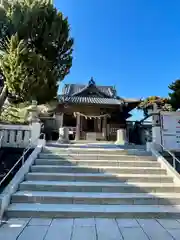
(97, 163)
(96, 145)
(25, 210)
(93, 156)
(57, 186)
(95, 198)
(94, 177)
(86, 150)
(97, 169)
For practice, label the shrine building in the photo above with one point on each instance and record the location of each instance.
(93, 112)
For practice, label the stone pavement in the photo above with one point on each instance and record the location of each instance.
(90, 229)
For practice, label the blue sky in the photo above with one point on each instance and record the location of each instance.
(132, 44)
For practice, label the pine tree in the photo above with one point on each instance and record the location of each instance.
(45, 35)
(175, 94)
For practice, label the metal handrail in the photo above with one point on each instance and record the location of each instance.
(22, 157)
(172, 155)
(1, 138)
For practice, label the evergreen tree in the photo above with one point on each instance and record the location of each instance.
(175, 94)
(35, 42)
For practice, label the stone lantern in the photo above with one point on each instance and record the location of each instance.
(33, 112)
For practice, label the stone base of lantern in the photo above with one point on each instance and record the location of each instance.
(63, 135)
(121, 137)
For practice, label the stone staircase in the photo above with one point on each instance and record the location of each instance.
(94, 182)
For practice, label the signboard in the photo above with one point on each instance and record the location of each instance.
(170, 128)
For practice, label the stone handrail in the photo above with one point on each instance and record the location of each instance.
(15, 135)
(19, 135)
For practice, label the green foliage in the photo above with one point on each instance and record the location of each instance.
(161, 103)
(38, 49)
(14, 113)
(19, 113)
(175, 94)
(149, 101)
(14, 65)
(26, 72)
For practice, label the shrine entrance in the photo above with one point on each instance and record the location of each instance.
(90, 125)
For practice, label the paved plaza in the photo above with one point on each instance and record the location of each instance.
(90, 229)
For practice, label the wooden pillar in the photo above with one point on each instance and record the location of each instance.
(108, 132)
(104, 128)
(62, 119)
(99, 125)
(95, 125)
(81, 127)
(59, 120)
(78, 122)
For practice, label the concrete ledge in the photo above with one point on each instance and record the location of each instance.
(12, 187)
(166, 165)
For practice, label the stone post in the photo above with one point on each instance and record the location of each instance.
(78, 122)
(63, 135)
(35, 133)
(121, 137)
(156, 132)
(34, 123)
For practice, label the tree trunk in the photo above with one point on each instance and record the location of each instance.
(3, 96)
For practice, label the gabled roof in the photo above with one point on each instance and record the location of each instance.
(89, 100)
(94, 94)
(77, 89)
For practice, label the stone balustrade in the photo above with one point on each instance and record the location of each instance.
(19, 136)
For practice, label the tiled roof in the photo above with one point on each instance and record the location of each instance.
(92, 94)
(110, 91)
(131, 100)
(71, 89)
(90, 100)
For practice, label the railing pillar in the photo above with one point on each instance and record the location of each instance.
(174, 162)
(35, 133)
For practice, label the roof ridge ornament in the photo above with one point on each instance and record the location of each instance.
(91, 82)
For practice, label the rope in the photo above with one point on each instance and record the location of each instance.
(91, 116)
